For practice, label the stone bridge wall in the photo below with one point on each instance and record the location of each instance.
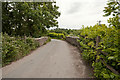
(41, 40)
(72, 40)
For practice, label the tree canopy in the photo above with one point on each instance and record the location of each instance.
(29, 18)
(113, 9)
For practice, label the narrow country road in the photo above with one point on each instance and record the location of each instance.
(56, 59)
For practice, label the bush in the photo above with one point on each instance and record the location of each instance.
(109, 43)
(14, 48)
(57, 35)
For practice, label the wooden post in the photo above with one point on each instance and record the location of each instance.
(104, 53)
(109, 67)
(25, 39)
(97, 43)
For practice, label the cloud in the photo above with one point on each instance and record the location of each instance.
(74, 8)
(81, 12)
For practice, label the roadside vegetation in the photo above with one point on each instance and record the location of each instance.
(56, 35)
(14, 48)
(21, 23)
(100, 44)
(61, 33)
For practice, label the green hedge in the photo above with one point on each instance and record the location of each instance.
(14, 48)
(56, 35)
(109, 43)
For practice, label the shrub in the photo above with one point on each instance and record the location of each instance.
(56, 35)
(14, 48)
(109, 43)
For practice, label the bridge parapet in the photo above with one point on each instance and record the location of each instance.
(72, 40)
(41, 40)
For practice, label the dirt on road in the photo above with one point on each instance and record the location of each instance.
(56, 59)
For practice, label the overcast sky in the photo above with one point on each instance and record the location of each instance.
(75, 13)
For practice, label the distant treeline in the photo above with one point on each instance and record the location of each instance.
(67, 32)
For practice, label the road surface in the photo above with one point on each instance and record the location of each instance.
(56, 59)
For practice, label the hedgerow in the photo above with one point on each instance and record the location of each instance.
(56, 35)
(14, 48)
(103, 62)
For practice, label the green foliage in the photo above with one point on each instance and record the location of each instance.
(112, 9)
(48, 40)
(28, 18)
(66, 32)
(14, 48)
(56, 35)
(60, 30)
(108, 43)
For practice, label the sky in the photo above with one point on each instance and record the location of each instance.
(75, 13)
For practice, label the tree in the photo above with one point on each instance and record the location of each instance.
(29, 18)
(113, 9)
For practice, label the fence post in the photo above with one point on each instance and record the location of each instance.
(25, 38)
(97, 43)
